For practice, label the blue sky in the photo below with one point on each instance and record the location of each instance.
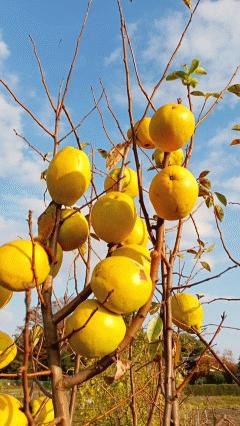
(154, 29)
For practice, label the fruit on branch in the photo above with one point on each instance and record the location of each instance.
(171, 127)
(46, 415)
(136, 252)
(113, 216)
(5, 296)
(187, 311)
(73, 230)
(143, 138)
(139, 234)
(16, 265)
(57, 259)
(68, 176)
(173, 192)
(10, 413)
(8, 350)
(100, 331)
(121, 284)
(128, 183)
(175, 159)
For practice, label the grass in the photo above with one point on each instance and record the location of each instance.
(195, 410)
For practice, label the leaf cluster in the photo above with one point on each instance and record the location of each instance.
(187, 73)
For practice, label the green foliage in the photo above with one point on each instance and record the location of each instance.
(154, 329)
(216, 377)
(186, 75)
(189, 344)
(235, 89)
(206, 266)
(213, 389)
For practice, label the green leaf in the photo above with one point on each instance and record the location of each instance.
(172, 76)
(103, 152)
(235, 89)
(203, 174)
(206, 266)
(154, 308)
(181, 256)
(190, 81)
(210, 248)
(236, 127)
(194, 66)
(175, 75)
(193, 82)
(191, 251)
(188, 3)
(200, 71)
(154, 329)
(198, 93)
(221, 198)
(155, 348)
(212, 94)
(219, 212)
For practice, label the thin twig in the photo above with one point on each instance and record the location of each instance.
(23, 106)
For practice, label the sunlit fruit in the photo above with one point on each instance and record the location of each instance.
(173, 193)
(5, 296)
(101, 333)
(139, 233)
(10, 413)
(8, 350)
(171, 127)
(73, 231)
(175, 159)
(121, 284)
(187, 311)
(16, 265)
(143, 138)
(113, 216)
(136, 252)
(46, 413)
(68, 176)
(129, 183)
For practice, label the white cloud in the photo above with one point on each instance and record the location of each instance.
(4, 50)
(205, 226)
(213, 38)
(11, 229)
(15, 162)
(114, 56)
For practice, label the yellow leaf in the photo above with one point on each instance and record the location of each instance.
(188, 3)
(115, 155)
(36, 334)
(46, 222)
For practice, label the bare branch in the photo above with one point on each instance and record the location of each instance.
(23, 106)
